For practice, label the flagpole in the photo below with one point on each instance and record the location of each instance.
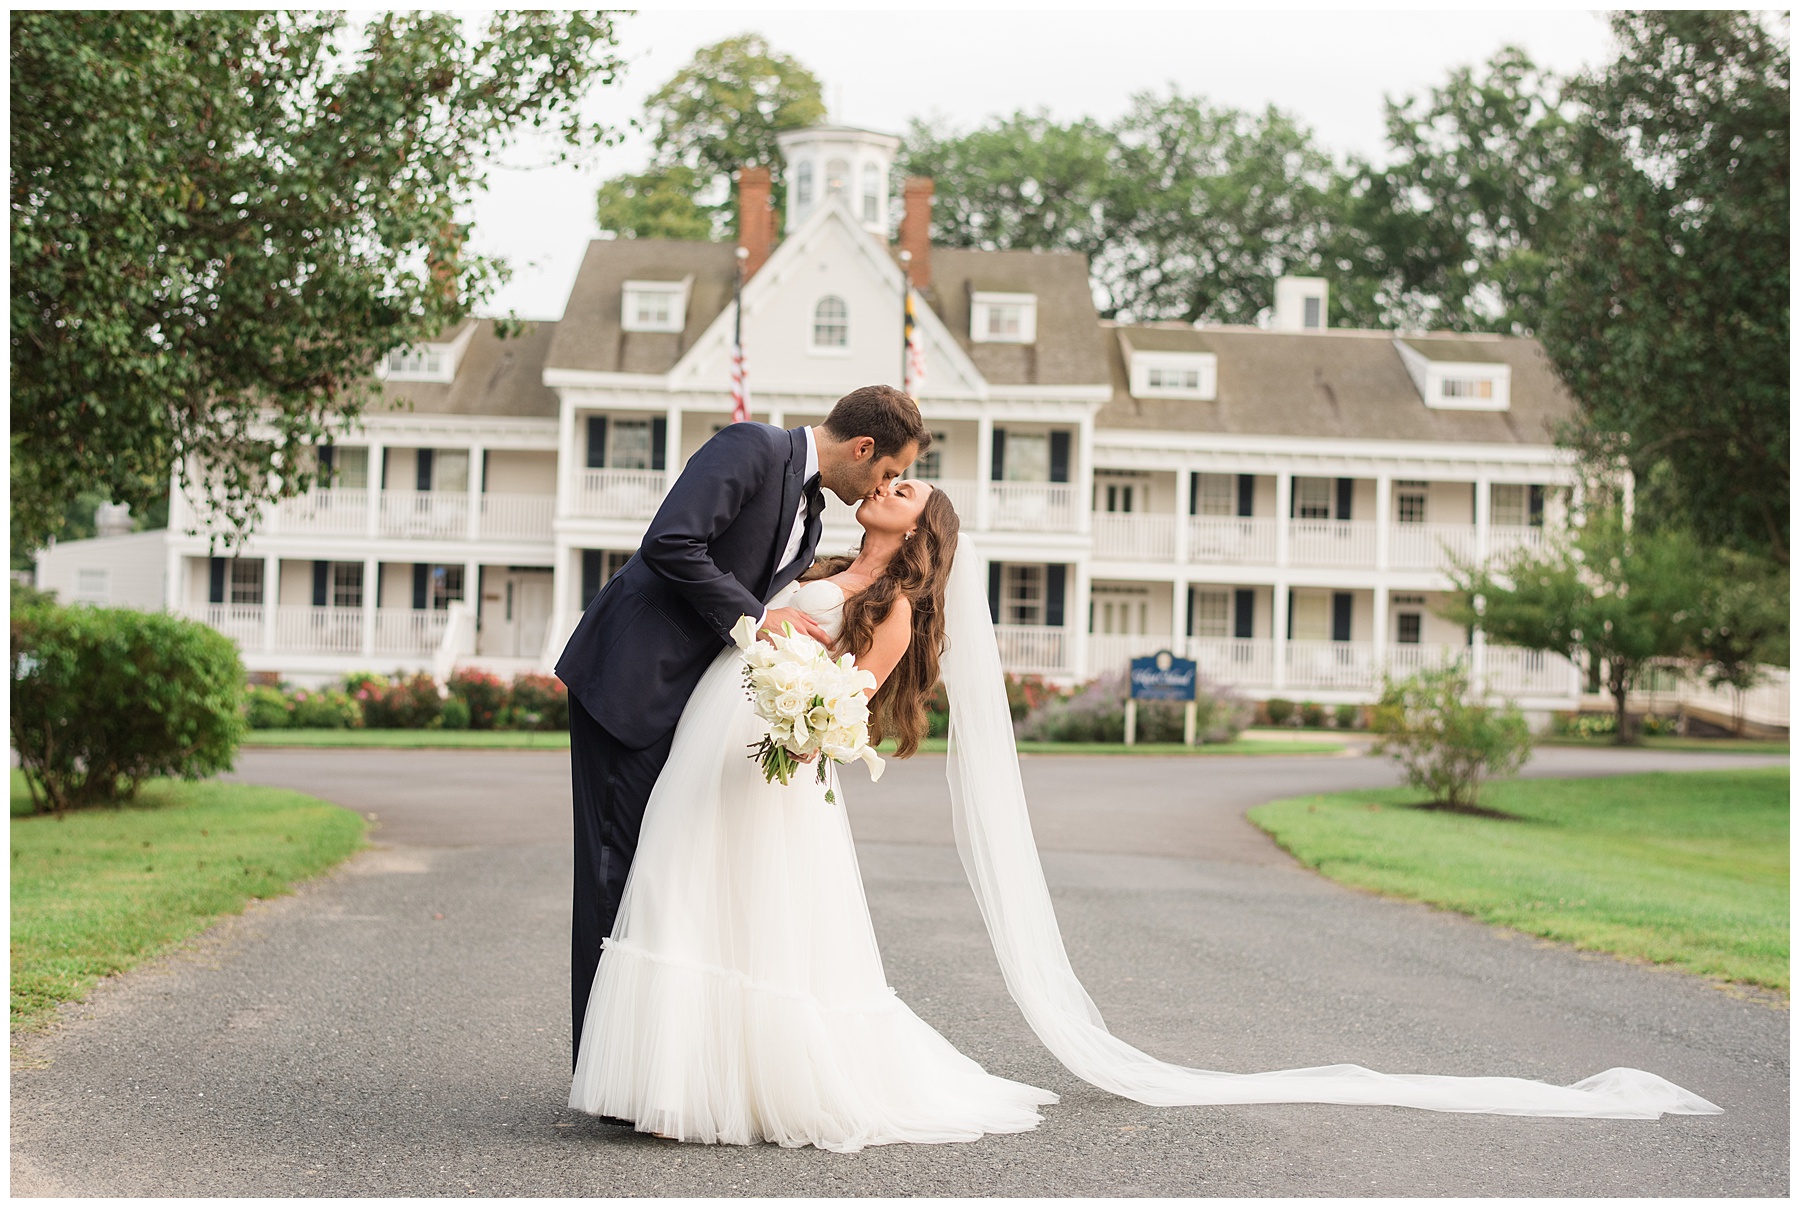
(740, 386)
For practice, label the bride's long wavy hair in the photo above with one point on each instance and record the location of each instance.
(920, 571)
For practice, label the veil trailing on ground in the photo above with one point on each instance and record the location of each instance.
(993, 836)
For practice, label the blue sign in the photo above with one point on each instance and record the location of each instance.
(1162, 676)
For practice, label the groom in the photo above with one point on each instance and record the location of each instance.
(740, 523)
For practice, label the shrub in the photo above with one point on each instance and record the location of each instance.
(356, 681)
(1445, 740)
(484, 695)
(937, 712)
(1097, 714)
(1025, 693)
(1348, 716)
(1312, 714)
(454, 715)
(325, 709)
(539, 702)
(1280, 709)
(412, 704)
(104, 698)
(267, 708)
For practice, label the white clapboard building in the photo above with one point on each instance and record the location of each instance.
(1277, 502)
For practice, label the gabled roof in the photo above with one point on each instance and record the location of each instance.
(1333, 384)
(493, 377)
(591, 335)
(1070, 348)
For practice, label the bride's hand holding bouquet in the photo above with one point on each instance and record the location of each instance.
(811, 704)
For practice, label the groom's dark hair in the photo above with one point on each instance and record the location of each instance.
(883, 413)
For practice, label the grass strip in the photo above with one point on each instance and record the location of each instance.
(556, 739)
(402, 739)
(1675, 742)
(99, 891)
(1681, 868)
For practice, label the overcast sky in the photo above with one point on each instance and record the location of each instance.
(1329, 69)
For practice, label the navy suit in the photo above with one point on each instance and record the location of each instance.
(646, 638)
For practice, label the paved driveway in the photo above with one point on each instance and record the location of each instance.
(399, 1027)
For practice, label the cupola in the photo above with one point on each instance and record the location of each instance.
(838, 161)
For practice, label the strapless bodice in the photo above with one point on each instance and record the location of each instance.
(820, 599)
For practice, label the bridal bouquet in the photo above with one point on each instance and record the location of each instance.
(813, 705)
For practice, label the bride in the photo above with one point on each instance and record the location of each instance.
(741, 996)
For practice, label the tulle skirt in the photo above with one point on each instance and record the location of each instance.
(741, 996)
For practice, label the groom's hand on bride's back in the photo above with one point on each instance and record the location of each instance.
(799, 620)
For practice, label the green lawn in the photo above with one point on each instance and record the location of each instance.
(1675, 742)
(102, 890)
(1681, 868)
(553, 739)
(483, 739)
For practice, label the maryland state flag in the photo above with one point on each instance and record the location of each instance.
(913, 363)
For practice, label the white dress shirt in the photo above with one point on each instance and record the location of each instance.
(799, 531)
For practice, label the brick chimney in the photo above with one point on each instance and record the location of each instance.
(756, 221)
(915, 228)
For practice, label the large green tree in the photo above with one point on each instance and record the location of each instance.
(720, 112)
(1667, 314)
(221, 220)
(1186, 210)
(1457, 228)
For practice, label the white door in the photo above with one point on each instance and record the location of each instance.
(531, 614)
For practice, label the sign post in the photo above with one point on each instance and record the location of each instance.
(1162, 676)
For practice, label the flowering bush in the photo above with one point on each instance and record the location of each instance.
(539, 702)
(267, 708)
(413, 704)
(324, 709)
(455, 715)
(1446, 738)
(356, 681)
(484, 694)
(1097, 714)
(1279, 709)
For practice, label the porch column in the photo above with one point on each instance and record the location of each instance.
(1284, 505)
(1484, 510)
(1278, 615)
(1075, 620)
(1184, 493)
(1179, 591)
(174, 577)
(472, 598)
(984, 460)
(377, 472)
(371, 593)
(1380, 621)
(564, 583)
(1084, 477)
(477, 457)
(568, 466)
(1384, 520)
(271, 594)
(672, 445)
(777, 417)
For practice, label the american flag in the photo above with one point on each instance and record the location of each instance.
(915, 348)
(740, 385)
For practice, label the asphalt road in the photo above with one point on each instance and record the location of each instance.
(399, 1027)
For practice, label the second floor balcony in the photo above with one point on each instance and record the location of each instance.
(1256, 541)
(433, 515)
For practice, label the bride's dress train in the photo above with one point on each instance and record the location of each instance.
(741, 997)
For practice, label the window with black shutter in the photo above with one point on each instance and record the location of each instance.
(1246, 494)
(596, 450)
(215, 590)
(1340, 616)
(593, 562)
(1537, 505)
(999, 466)
(1054, 578)
(659, 443)
(421, 585)
(1346, 491)
(321, 584)
(1244, 613)
(994, 575)
(1059, 457)
(424, 475)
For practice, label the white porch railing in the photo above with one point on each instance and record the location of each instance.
(1032, 506)
(1134, 537)
(308, 630)
(1246, 662)
(1332, 666)
(1425, 546)
(335, 510)
(1033, 649)
(1503, 539)
(1514, 671)
(620, 494)
(409, 630)
(432, 514)
(1108, 652)
(1235, 539)
(242, 623)
(526, 516)
(1331, 543)
(1407, 659)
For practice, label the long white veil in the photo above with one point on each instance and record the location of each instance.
(993, 836)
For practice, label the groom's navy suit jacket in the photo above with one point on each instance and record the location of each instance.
(707, 559)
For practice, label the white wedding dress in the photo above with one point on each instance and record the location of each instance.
(741, 996)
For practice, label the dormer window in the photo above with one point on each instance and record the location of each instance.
(871, 193)
(431, 362)
(1003, 318)
(1457, 374)
(1191, 375)
(803, 186)
(655, 306)
(837, 177)
(831, 325)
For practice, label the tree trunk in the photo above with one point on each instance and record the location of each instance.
(1619, 684)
